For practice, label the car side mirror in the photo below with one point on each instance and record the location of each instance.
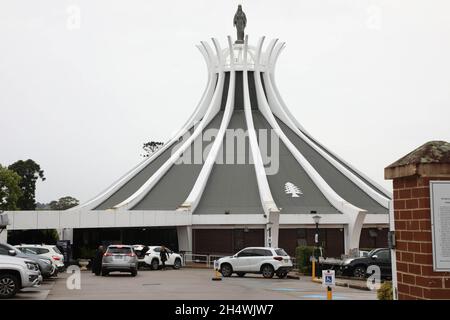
(374, 257)
(12, 253)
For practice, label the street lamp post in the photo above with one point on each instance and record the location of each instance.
(316, 219)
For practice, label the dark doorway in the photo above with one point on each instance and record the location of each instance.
(225, 241)
(331, 239)
(372, 238)
(16, 237)
(89, 239)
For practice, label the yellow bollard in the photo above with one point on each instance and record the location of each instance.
(313, 269)
(217, 275)
(329, 293)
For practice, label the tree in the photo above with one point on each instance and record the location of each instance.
(29, 172)
(292, 189)
(150, 147)
(10, 191)
(63, 203)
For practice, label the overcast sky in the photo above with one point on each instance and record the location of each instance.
(369, 79)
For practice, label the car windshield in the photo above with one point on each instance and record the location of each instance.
(119, 250)
(372, 252)
(281, 252)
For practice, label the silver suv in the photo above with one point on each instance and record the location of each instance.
(119, 258)
(17, 273)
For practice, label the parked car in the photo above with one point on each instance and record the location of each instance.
(45, 264)
(357, 267)
(119, 258)
(17, 273)
(153, 259)
(264, 260)
(49, 251)
(140, 250)
(363, 253)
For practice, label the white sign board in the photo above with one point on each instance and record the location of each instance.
(216, 264)
(328, 278)
(440, 224)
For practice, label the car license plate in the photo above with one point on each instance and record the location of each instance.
(118, 257)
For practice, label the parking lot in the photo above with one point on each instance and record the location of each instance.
(187, 283)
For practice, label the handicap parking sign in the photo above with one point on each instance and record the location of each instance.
(328, 278)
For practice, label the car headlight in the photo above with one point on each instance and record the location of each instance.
(31, 266)
(46, 261)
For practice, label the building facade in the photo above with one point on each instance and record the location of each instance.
(241, 171)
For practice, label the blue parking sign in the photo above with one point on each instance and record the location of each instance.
(328, 278)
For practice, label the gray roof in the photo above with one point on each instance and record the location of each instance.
(290, 171)
(335, 179)
(174, 187)
(232, 187)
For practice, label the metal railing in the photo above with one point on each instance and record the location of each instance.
(191, 259)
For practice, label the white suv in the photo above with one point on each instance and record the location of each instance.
(17, 273)
(152, 258)
(264, 260)
(49, 251)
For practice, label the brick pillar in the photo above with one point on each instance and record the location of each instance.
(412, 217)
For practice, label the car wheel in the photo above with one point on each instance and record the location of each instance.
(282, 275)
(359, 272)
(226, 270)
(155, 264)
(267, 271)
(241, 274)
(177, 264)
(9, 285)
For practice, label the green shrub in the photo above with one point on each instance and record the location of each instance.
(385, 292)
(302, 255)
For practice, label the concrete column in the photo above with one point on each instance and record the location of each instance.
(272, 229)
(411, 176)
(184, 234)
(4, 236)
(66, 234)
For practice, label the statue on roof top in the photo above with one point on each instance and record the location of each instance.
(240, 22)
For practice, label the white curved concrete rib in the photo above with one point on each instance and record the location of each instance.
(212, 111)
(195, 195)
(282, 111)
(354, 213)
(198, 113)
(265, 194)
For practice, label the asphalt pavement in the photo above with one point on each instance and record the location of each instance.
(189, 283)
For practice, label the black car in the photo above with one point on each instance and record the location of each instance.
(357, 267)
